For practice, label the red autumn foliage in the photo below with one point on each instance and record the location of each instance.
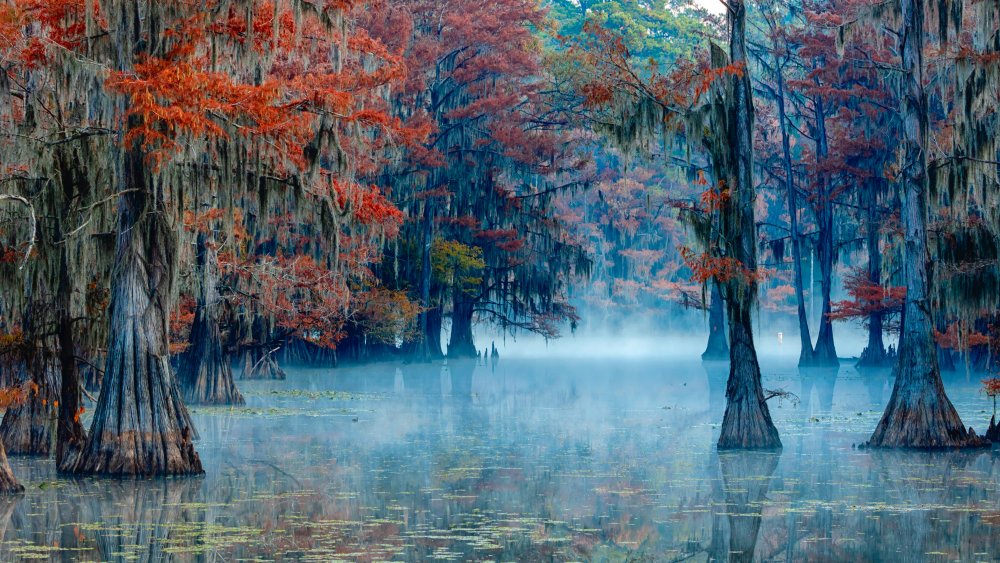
(868, 298)
(961, 337)
(706, 267)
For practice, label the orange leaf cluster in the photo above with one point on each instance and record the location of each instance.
(867, 297)
(705, 267)
(958, 336)
(991, 386)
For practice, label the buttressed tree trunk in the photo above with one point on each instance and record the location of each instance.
(747, 421)
(461, 344)
(432, 338)
(718, 346)
(919, 413)
(140, 424)
(204, 371)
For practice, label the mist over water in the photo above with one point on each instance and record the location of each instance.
(572, 458)
(652, 342)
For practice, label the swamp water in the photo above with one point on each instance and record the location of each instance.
(529, 460)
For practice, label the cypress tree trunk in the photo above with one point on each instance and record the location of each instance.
(825, 352)
(204, 371)
(259, 363)
(432, 338)
(70, 436)
(258, 359)
(140, 424)
(461, 344)
(8, 484)
(718, 346)
(806, 353)
(69, 430)
(874, 353)
(26, 429)
(747, 421)
(428, 347)
(919, 413)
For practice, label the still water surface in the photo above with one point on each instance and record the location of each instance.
(529, 460)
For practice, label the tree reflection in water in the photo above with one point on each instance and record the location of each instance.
(539, 461)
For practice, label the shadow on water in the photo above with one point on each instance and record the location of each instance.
(586, 460)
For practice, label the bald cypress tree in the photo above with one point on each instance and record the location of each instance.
(919, 413)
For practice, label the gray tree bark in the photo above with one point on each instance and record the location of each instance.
(747, 421)
(919, 413)
(204, 370)
(140, 424)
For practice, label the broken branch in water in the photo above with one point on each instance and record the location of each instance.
(780, 394)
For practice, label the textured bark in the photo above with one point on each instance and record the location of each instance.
(8, 484)
(461, 344)
(27, 428)
(747, 421)
(69, 434)
(140, 424)
(69, 430)
(204, 371)
(806, 354)
(825, 351)
(718, 346)
(746, 478)
(919, 413)
(428, 345)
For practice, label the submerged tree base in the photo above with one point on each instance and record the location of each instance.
(873, 357)
(747, 423)
(134, 455)
(261, 365)
(8, 484)
(27, 429)
(920, 415)
(993, 433)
